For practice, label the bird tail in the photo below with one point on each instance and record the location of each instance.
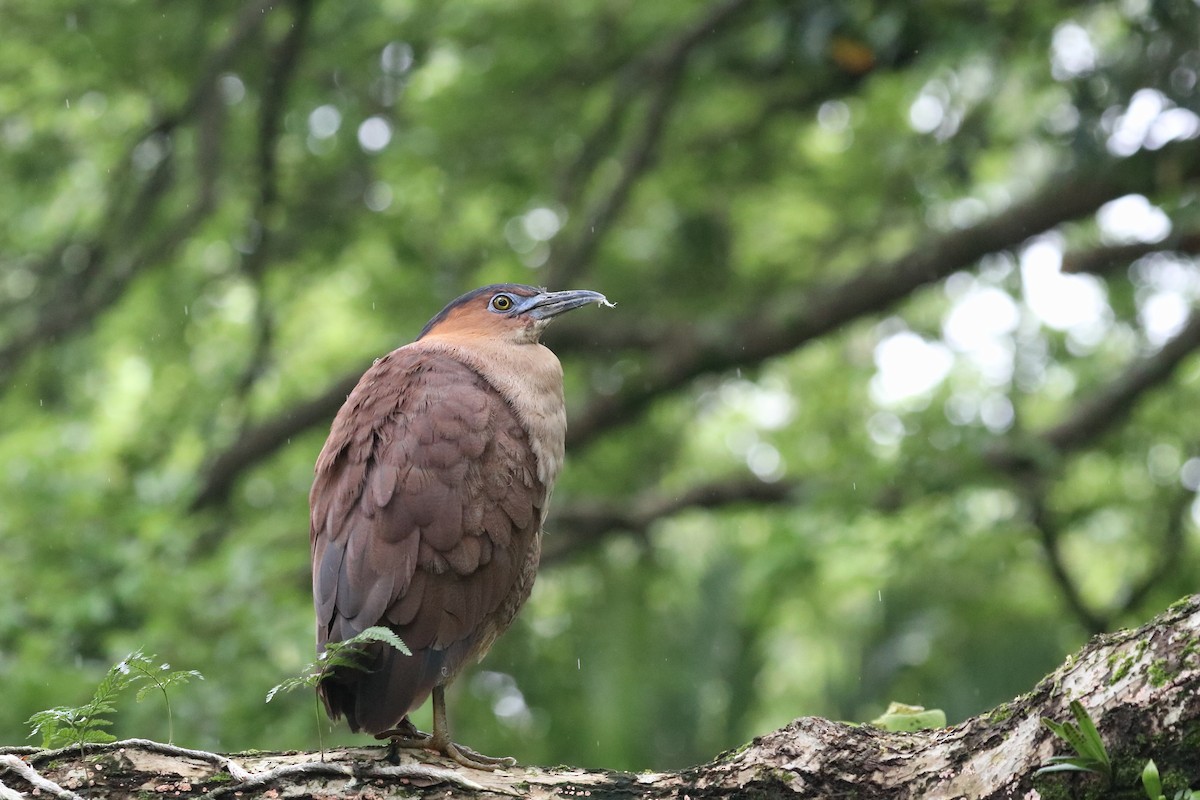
(378, 698)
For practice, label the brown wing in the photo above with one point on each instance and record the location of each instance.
(425, 514)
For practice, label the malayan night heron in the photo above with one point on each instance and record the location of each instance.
(428, 504)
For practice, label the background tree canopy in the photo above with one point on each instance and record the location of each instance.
(898, 401)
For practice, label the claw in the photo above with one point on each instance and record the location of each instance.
(405, 736)
(469, 758)
(458, 753)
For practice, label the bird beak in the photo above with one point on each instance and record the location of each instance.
(551, 304)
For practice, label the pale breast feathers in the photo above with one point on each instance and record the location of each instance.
(425, 504)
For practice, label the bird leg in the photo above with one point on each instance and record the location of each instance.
(407, 737)
(460, 753)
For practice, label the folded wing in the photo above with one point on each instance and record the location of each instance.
(425, 517)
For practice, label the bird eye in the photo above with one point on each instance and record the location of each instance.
(502, 302)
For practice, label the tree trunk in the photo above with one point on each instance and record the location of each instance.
(1140, 688)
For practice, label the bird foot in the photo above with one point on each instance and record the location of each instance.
(412, 739)
(404, 731)
(469, 758)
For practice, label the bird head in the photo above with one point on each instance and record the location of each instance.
(510, 311)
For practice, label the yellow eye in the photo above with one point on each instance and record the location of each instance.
(502, 302)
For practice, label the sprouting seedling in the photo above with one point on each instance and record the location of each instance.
(349, 654)
(158, 677)
(68, 725)
(1090, 753)
(1151, 781)
(1153, 785)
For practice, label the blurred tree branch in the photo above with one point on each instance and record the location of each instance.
(1137, 687)
(123, 244)
(684, 353)
(1100, 411)
(257, 442)
(1111, 404)
(1110, 258)
(249, 22)
(221, 221)
(285, 57)
(579, 525)
(582, 524)
(658, 73)
(1176, 508)
(1168, 554)
(663, 65)
(1050, 537)
(783, 326)
(1103, 407)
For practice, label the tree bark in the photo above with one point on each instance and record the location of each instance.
(1139, 686)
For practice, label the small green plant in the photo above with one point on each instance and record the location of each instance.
(66, 725)
(901, 718)
(159, 677)
(1153, 785)
(1090, 754)
(79, 725)
(347, 654)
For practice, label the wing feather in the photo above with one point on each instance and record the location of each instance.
(425, 515)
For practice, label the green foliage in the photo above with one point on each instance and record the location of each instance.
(901, 717)
(199, 247)
(1153, 786)
(1084, 739)
(160, 678)
(79, 725)
(1092, 756)
(66, 725)
(348, 654)
(1151, 782)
